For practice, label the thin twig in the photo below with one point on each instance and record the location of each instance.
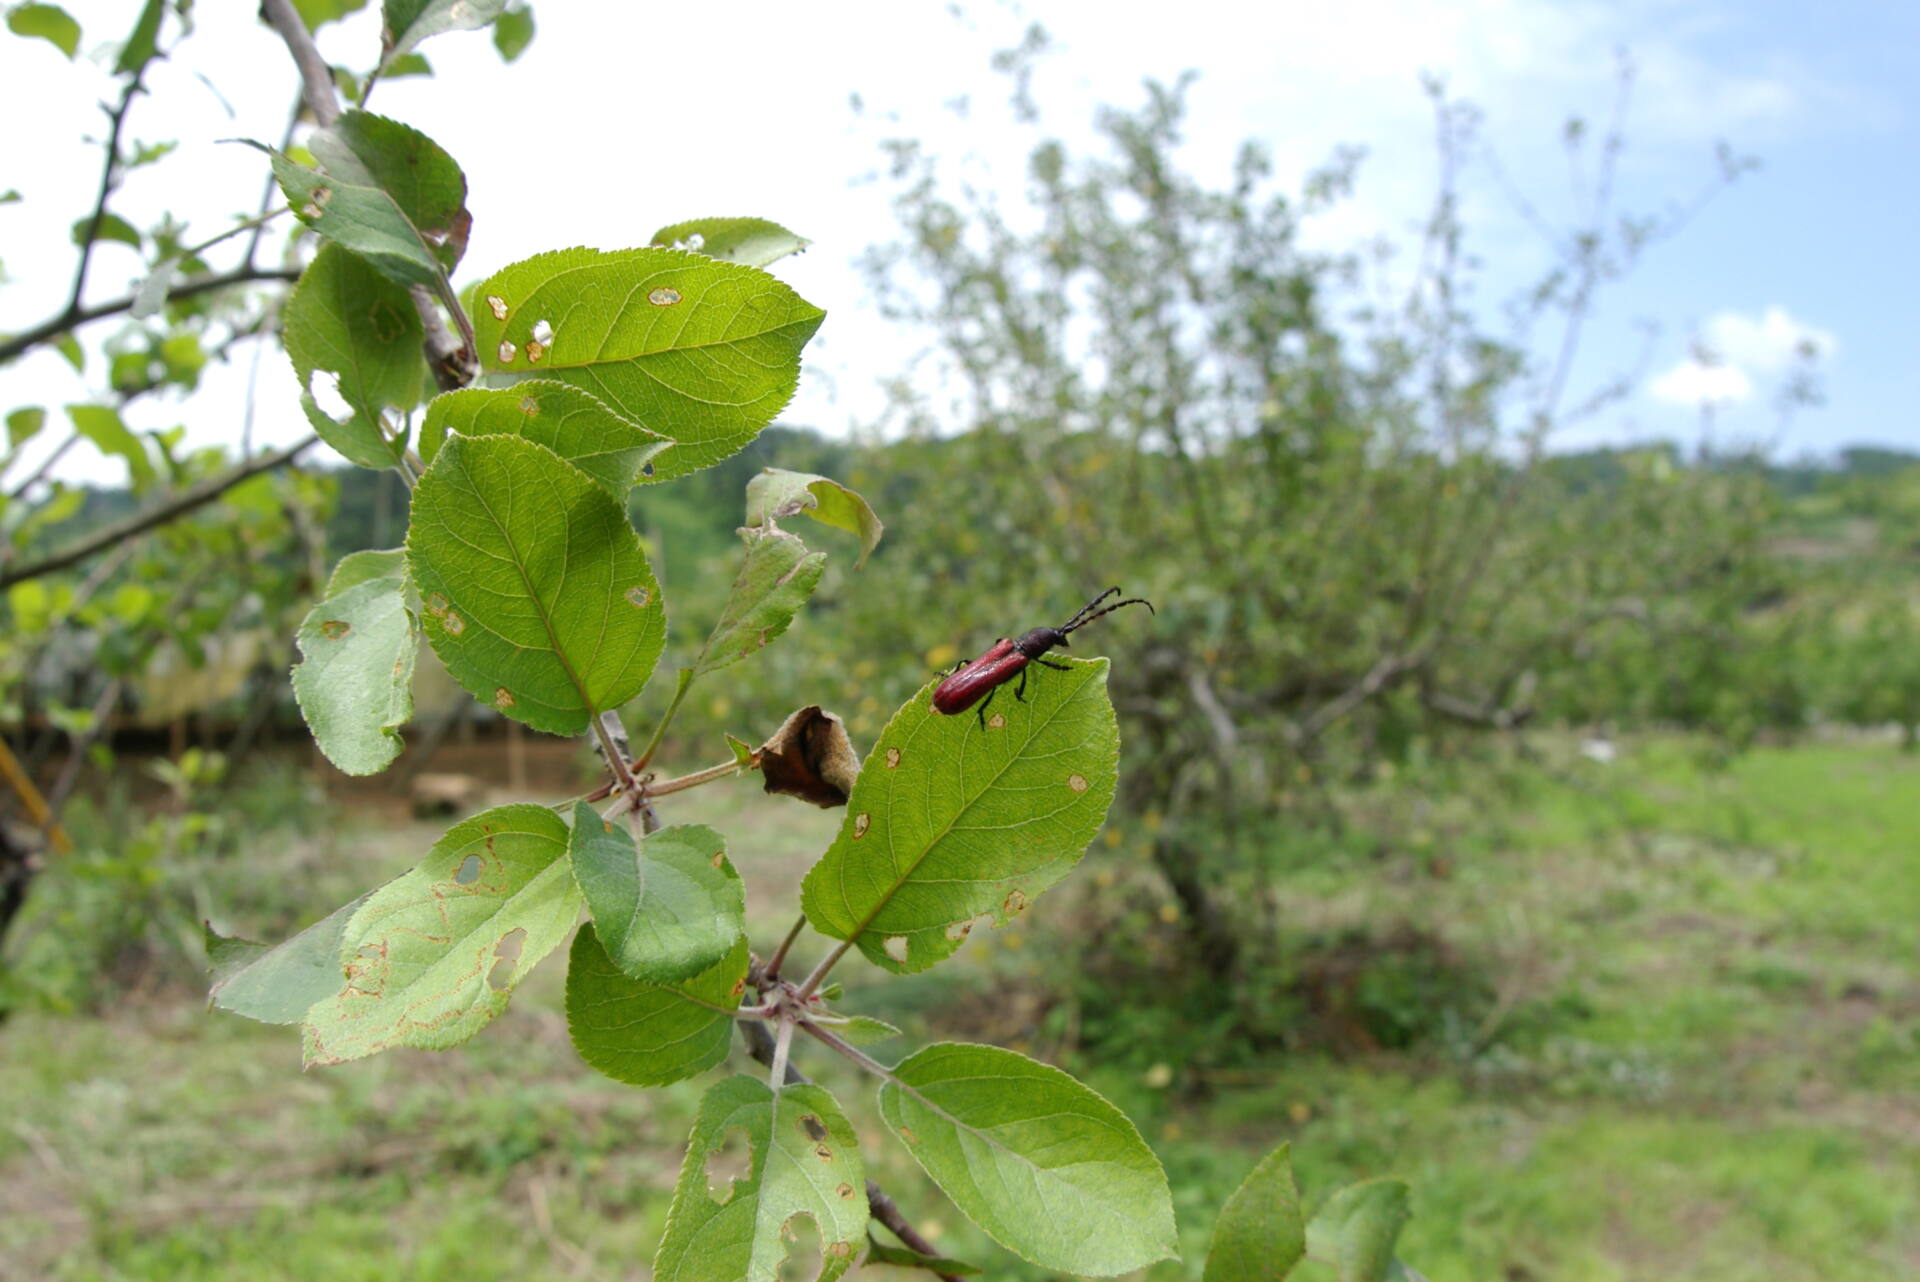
(780, 953)
(108, 173)
(187, 500)
(55, 326)
(314, 72)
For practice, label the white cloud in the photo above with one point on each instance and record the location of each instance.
(1737, 350)
(1693, 382)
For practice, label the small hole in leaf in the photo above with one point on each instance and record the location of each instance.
(804, 1261)
(664, 296)
(845, 1190)
(811, 1125)
(729, 1162)
(542, 333)
(861, 822)
(958, 930)
(646, 469)
(469, 871)
(1015, 903)
(824, 1153)
(506, 352)
(506, 957)
(498, 306)
(895, 947)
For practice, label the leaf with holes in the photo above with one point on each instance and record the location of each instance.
(776, 577)
(280, 983)
(357, 329)
(1049, 1169)
(650, 1034)
(1260, 1234)
(384, 191)
(804, 1163)
(775, 494)
(953, 820)
(537, 594)
(568, 421)
(666, 907)
(704, 352)
(751, 242)
(433, 955)
(354, 682)
(1357, 1229)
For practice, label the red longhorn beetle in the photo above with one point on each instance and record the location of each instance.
(964, 686)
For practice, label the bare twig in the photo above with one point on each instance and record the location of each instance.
(187, 500)
(314, 72)
(55, 326)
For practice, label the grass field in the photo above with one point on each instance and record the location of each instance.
(1700, 1060)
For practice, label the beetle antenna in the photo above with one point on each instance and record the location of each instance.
(1079, 622)
(1086, 610)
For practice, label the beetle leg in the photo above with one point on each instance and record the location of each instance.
(983, 706)
(1057, 667)
(1020, 691)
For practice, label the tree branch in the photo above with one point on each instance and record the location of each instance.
(194, 496)
(314, 72)
(54, 326)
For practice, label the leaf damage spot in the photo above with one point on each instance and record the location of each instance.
(812, 1125)
(841, 1250)
(529, 405)
(506, 955)
(996, 722)
(719, 859)
(638, 596)
(895, 947)
(646, 469)
(740, 986)
(469, 870)
(436, 605)
(893, 758)
(824, 1153)
(906, 1133)
(498, 306)
(729, 1163)
(543, 333)
(1077, 782)
(861, 822)
(845, 1190)
(454, 624)
(958, 930)
(506, 352)
(503, 698)
(1015, 903)
(534, 352)
(334, 629)
(665, 296)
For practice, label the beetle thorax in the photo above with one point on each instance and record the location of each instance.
(1037, 642)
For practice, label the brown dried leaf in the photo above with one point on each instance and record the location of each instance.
(810, 757)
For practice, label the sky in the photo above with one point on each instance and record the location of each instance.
(620, 119)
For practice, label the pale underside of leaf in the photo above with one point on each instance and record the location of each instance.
(650, 1034)
(433, 956)
(805, 1163)
(355, 681)
(279, 984)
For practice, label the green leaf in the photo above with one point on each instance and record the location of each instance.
(751, 242)
(407, 64)
(317, 13)
(669, 907)
(861, 1030)
(775, 494)
(900, 1257)
(1049, 1169)
(805, 1163)
(1260, 1234)
(776, 578)
(24, 424)
(346, 319)
(48, 22)
(102, 425)
(112, 227)
(570, 422)
(405, 23)
(432, 956)
(384, 191)
(356, 568)
(538, 595)
(1357, 1228)
(151, 294)
(512, 33)
(355, 682)
(281, 983)
(144, 43)
(950, 821)
(704, 352)
(650, 1034)
(69, 346)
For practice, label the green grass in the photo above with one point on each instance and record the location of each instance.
(1701, 1060)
